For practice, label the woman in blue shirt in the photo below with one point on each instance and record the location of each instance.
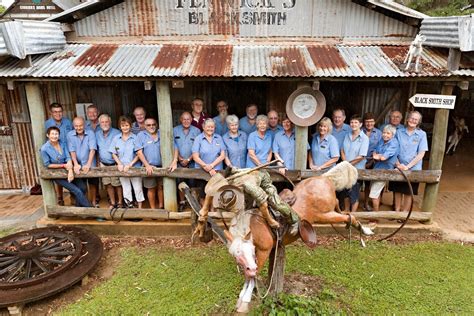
(324, 147)
(235, 142)
(56, 156)
(413, 146)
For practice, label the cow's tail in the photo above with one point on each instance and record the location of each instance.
(343, 175)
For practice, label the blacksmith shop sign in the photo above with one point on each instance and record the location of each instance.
(236, 12)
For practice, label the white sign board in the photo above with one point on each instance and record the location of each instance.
(437, 101)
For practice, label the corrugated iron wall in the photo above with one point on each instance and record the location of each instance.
(63, 92)
(318, 18)
(17, 157)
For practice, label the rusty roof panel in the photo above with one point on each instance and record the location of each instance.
(212, 61)
(171, 56)
(328, 60)
(96, 55)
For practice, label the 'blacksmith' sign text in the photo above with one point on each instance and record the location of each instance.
(437, 101)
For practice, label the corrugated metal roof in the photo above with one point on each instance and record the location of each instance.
(228, 61)
(450, 32)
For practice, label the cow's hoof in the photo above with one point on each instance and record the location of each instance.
(243, 308)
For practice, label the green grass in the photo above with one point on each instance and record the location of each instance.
(424, 278)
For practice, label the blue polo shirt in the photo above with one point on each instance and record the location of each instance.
(341, 133)
(125, 149)
(374, 139)
(150, 147)
(236, 149)
(50, 155)
(388, 150)
(284, 145)
(357, 147)
(261, 146)
(277, 129)
(245, 126)
(184, 142)
(136, 128)
(65, 126)
(323, 150)
(411, 145)
(221, 127)
(208, 151)
(89, 126)
(103, 145)
(82, 146)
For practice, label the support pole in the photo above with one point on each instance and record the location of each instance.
(165, 119)
(37, 117)
(438, 146)
(301, 138)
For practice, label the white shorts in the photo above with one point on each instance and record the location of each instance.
(376, 188)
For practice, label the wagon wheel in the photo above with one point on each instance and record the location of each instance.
(41, 262)
(30, 258)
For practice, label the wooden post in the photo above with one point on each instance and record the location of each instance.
(37, 117)
(277, 276)
(166, 141)
(438, 146)
(301, 138)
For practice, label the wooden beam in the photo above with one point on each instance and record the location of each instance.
(301, 139)
(165, 117)
(395, 98)
(438, 146)
(454, 59)
(415, 216)
(422, 176)
(37, 117)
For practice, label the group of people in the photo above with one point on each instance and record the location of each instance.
(207, 143)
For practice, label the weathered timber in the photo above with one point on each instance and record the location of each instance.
(88, 212)
(438, 146)
(37, 114)
(422, 176)
(276, 269)
(301, 139)
(390, 104)
(415, 216)
(165, 118)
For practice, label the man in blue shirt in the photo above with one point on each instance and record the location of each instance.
(92, 114)
(354, 150)
(184, 136)
(82, 146)
(248, 122)
(65, 126)
(284, 145)
(150, 155)
(340, 129)
(273, 126)
(221, 124)
(104, 136)
(259, 144)
(139, 125)
(385, 156)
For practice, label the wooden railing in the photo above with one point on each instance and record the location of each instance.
(424, 176)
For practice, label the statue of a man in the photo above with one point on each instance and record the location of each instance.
(258, 186)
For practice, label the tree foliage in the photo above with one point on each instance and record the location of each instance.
(440, 7)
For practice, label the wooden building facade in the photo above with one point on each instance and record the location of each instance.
(161, 53)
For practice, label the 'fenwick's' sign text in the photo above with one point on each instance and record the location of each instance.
(240, 12)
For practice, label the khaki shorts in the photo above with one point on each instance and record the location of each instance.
(376, 188)
(114, 181)
(152, 182)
